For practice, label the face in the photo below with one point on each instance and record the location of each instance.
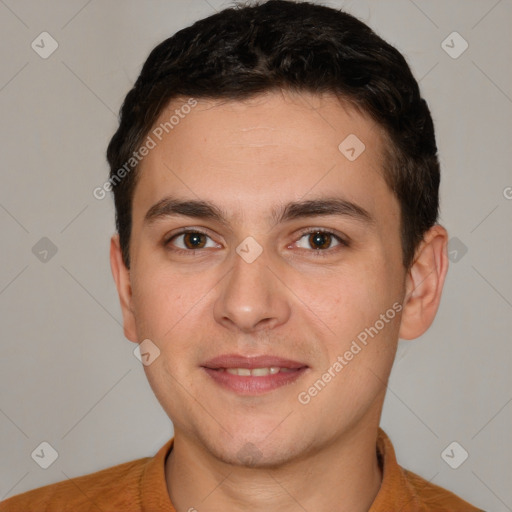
(277, 323)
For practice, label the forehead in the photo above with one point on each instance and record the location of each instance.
(269, 149)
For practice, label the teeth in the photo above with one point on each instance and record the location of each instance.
(256, 372)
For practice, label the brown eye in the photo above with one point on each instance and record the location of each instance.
(189, 241)
(320, 240)
(194, 240)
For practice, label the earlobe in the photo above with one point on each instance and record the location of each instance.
(424, 284)
(124, 289)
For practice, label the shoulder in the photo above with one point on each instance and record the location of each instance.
(433, 497)
(117, 486)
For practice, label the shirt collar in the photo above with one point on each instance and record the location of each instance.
(395, 489)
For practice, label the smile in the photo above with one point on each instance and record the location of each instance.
(256, 372)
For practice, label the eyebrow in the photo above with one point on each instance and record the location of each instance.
(205, 210)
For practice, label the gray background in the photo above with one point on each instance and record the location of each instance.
(67, 374)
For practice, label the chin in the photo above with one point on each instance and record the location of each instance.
(250, 455)
(254, 450)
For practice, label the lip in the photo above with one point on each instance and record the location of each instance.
(252, 385)
(238, 361)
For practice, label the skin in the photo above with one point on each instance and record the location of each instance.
(248, 157)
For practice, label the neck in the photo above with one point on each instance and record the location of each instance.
(343, 475)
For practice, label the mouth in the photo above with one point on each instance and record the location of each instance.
(253, 375)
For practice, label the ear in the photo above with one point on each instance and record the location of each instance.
(424, 283)
(124, 288)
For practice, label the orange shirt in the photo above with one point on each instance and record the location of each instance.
(140, 486)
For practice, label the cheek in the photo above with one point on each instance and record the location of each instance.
(364, 316)
(172, 308)
(358, 296)
(158, 301)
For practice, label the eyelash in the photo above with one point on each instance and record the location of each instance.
(316, 252)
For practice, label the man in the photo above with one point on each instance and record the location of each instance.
(276, 180)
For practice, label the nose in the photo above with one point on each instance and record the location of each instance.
(252, 297)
